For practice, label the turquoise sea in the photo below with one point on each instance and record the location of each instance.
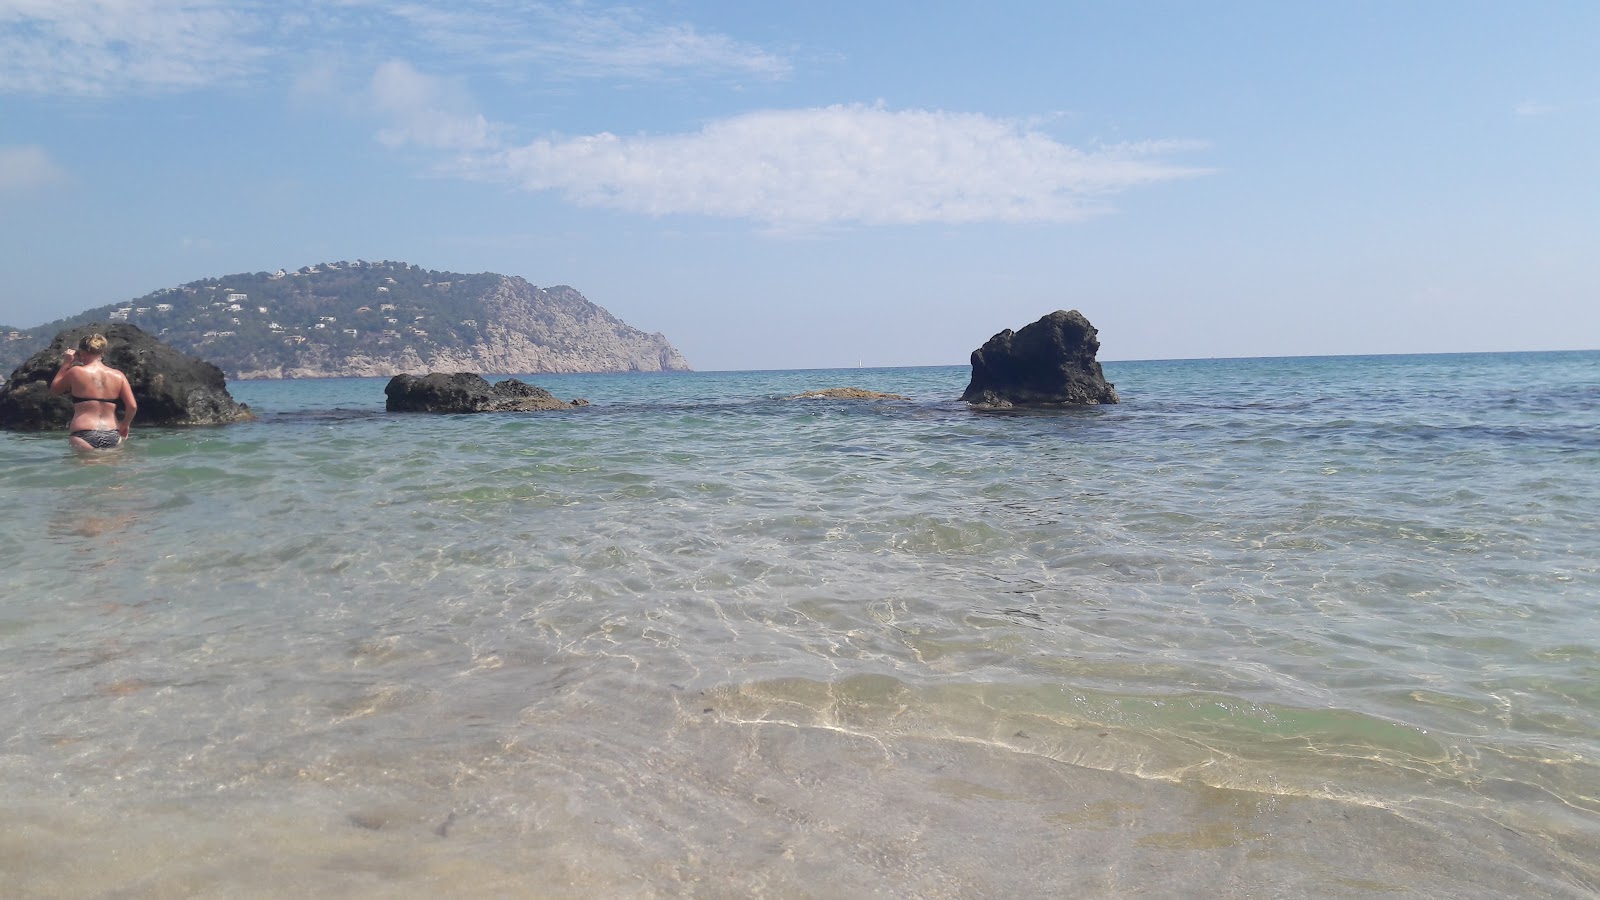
(1271, 627)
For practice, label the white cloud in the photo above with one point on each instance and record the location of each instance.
(580, 39)
(25, 167)
(317, 80)
(103, 47)
(678, 47)
(852, 164)
(426, 111)
(115, 47)
(1531, 108)
(621, 41)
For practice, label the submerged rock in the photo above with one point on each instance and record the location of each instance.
(172, 388)
(1048, 363)
(467, 392)
(846, 393)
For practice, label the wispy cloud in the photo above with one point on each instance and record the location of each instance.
(427, 112)
(105, 47)
(115, 47)
(623, 41)
(851, 164)
(1532, 108)
(785, 169)
(27, 167)
(580, 40)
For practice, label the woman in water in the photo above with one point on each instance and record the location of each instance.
(95, 389)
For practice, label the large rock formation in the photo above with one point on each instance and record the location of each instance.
(171, 388)
(467, 392)
(367, 319)
(1049, 363)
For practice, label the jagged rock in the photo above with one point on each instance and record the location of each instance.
(1049, 363)
(846, 393)
(467, 392)
(172, 388)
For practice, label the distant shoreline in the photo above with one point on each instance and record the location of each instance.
(858, 368)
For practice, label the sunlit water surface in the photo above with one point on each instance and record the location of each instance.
(1274, 627)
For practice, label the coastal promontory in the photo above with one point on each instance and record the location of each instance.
(375, 319)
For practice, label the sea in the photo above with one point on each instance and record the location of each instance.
(1305, 627)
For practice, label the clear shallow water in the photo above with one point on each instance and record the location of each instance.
(1287, 626)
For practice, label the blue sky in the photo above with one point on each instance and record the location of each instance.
(794, 185)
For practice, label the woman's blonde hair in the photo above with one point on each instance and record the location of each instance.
(93, 343)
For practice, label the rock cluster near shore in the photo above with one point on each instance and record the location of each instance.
(467, 392)
(845, 393)
(172, 388)
(1048, 363)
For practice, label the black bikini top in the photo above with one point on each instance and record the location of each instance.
(77, 399)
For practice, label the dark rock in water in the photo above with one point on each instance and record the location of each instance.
(845, 393)
(172, 388)
(1048, 363)
(467, 392)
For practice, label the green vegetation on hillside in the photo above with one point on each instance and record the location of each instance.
(309, 318)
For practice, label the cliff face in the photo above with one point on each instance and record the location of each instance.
(383, 319)
(521, 329)
(557, 330)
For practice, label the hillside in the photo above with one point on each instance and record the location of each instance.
(375, 318)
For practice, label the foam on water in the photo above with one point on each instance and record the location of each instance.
(1319, 625)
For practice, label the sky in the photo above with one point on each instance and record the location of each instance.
(827, 184)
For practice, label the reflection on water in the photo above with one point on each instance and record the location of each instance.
(1268, 630)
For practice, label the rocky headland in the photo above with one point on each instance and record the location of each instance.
(377, 319)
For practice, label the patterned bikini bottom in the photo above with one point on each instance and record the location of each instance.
(99, 440)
